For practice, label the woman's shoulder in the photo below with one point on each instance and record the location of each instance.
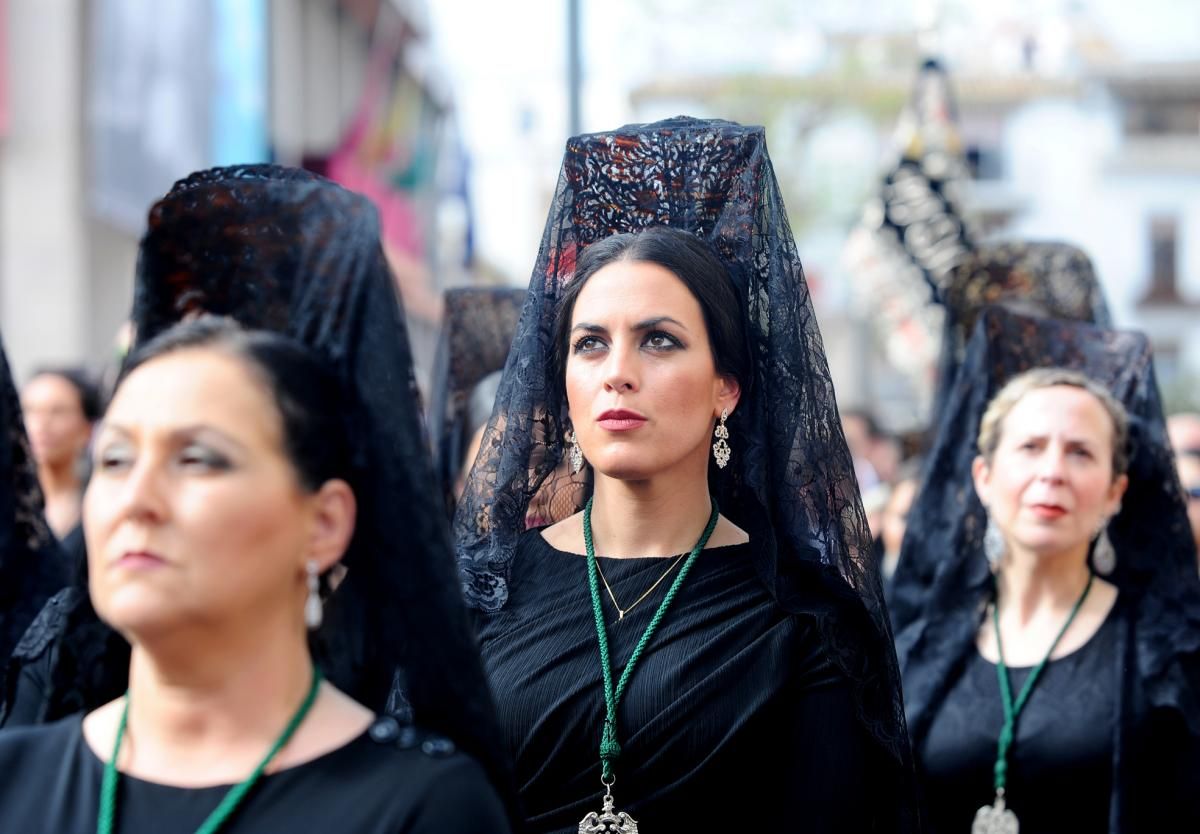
(449, 788)
(42, 739)
(35, 752)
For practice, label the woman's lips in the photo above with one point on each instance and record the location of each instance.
(140, 560)
(1048, 511)
(620, 420)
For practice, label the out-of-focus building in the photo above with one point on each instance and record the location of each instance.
(1064, 140)
(110, 101)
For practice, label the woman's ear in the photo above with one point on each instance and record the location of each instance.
(728, 394)
(981, 474)
(334, 513)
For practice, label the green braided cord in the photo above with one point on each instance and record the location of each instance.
(108, 785)
(108, 788)
(610, 749)
(1011, 710)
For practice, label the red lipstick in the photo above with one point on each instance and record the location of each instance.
(620, 419)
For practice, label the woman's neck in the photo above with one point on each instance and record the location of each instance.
(207, 711)
(657, 517)
(1031, 584)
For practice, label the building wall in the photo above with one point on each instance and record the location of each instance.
(45, 313)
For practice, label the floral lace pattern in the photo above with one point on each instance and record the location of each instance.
(790, 483)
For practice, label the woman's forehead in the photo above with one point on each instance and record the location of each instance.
(634, 291)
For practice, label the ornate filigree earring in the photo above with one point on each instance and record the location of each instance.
(576, 453)
(721, 449)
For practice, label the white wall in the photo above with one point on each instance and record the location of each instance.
(44, 313)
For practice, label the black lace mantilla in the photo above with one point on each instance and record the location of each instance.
(477, 330)
(285, 250)
(942, 581)
(1043, 278)
(791, 483)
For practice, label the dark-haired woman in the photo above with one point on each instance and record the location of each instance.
(60, 406)
(691, 646)
(219, 498)
(282, 250)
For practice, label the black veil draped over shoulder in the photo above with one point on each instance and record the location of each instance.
(943, 583)
(285, 250)
(477, 330)
(1037, 278)
(32, 565)
(790, 485)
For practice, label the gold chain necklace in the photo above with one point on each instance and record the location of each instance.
(621, 612)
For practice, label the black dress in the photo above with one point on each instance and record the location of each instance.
(1065, 756)
(386, 781)
(734, 717)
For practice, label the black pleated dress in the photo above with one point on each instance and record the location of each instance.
(735, 715)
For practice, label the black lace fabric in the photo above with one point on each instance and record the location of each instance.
(943, 582)
(790, 484)
(285, 250)
(477, 330)
(32, 568)
(1041, 278)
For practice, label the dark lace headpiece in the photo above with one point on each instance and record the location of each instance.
(943, 580)
(1049, 279)
(285, 250)
(477, 330)
(791, 482)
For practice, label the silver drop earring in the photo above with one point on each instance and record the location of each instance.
(993, 545)
(721, 449)
(313, 611)
(1104, 557)
(576, 452)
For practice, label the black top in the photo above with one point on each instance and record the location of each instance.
(735, 715)
(388, 780)
(1060, 764)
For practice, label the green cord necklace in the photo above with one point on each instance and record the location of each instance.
(106, 818)
(608, 819)
(995, 818)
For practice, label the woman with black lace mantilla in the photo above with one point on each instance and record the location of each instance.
(264, 555)
(1053, 671)
(699, 642)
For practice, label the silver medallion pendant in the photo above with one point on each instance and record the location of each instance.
(994, 819)
(608, 821)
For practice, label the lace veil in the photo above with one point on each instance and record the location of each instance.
(790, 484)
(284, 250)
(942, 582)
(477, 330)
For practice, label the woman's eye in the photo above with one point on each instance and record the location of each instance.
(661, 341)
(587, 344)
(111, 458)
(199, 457)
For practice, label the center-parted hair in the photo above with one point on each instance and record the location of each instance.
(992, 425)
(694, 263)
